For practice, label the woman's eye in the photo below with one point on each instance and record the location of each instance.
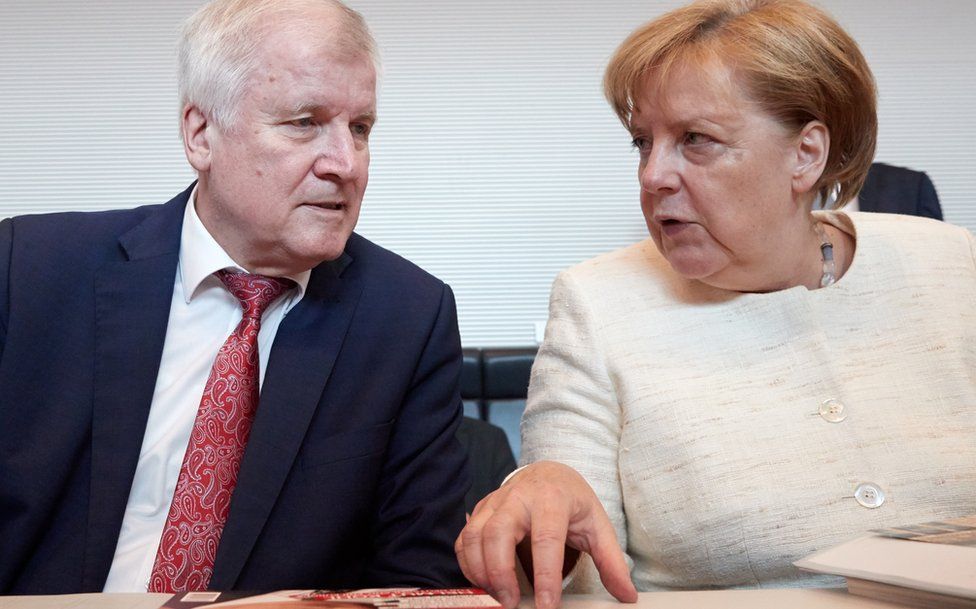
(641, 144)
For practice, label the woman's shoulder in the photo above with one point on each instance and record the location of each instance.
(893, 249)
(634, 277)
(635, 267)
(893, 234)
(877, 225)
(632, 259)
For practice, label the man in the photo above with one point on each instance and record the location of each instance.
(114, 473)
(490, 458)
(898, 190)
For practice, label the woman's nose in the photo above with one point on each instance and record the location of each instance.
(659, 170)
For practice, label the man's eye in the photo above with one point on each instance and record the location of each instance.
(361, 129)
(302, 123)
(694, 138)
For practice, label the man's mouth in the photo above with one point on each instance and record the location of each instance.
(326, 205)
(672, 227)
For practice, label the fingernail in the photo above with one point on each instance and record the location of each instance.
(505, 598)
(544, 600)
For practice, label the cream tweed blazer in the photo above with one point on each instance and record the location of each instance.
(694, 412)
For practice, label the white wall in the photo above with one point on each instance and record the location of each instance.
(496, 161)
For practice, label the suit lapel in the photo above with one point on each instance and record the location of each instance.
(300, 363)
(132, 301)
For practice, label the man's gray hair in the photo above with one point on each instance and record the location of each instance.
(219, 46)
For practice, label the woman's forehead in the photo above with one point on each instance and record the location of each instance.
(690, 86)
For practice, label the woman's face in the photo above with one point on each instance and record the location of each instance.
(718, 180)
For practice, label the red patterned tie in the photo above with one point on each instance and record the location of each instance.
(185, 558)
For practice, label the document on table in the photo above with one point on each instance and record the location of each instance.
(928, 565)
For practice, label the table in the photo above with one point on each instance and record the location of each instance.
(712, 599)
(85, 601)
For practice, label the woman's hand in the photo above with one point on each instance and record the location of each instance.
(552, 508)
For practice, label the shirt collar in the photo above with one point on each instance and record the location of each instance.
(201, 256)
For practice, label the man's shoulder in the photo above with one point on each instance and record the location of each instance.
(77, 225)
(70, 248)
(68, 242)
(885, 172)
(81, 231)
(374, 263)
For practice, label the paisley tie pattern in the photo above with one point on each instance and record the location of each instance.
(201, 502)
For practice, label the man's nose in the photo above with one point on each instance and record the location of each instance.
(659, 170)
(339, 154)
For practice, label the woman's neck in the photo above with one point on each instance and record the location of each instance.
(798, 259)
(843, 248)
(821, 257)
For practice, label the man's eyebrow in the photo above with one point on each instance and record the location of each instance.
(303, 109)
(306, 108)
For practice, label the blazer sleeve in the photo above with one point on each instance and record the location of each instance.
(572, 414)
(420, 509)
(928, 199)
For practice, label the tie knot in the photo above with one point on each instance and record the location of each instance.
(255, 292)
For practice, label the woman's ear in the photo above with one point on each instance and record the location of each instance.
(197, 131)
(812, 147)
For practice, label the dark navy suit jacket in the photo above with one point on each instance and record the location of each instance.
(897, 190)
(352, 474)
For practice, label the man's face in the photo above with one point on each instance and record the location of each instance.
(283, 185)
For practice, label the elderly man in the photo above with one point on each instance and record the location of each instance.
(114, 473)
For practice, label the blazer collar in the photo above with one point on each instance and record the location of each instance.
(299, 366)
(132, 299)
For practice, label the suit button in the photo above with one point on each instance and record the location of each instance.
(833, 411)
(869, 495)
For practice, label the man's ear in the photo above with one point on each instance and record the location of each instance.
(812, 147)
(197, 133)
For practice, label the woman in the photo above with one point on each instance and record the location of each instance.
(756, 381)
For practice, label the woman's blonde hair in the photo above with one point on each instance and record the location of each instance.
(793, 59)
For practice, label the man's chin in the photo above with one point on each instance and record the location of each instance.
(292, 259)
(327, 250)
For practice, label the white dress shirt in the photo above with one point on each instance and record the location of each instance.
(202, 315)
